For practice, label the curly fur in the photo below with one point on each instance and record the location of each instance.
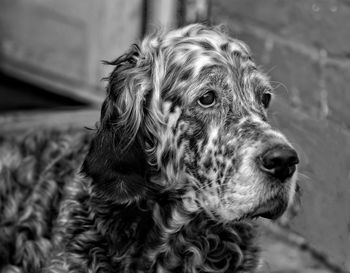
(168, 184)
(33, 172)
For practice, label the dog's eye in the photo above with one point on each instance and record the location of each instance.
(266, 98)
(207, 100)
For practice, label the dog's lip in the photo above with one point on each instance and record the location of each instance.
(270, 209)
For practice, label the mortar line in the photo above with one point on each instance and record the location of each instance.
(312, 52)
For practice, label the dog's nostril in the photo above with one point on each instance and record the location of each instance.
(279, 162)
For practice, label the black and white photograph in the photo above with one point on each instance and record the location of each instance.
(174, 136)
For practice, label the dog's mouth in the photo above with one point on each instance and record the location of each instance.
(271, 209)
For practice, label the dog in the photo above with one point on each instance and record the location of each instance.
(181, 164)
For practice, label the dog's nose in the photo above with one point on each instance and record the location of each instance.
(279, 162)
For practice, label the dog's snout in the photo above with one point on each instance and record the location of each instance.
(280, 162)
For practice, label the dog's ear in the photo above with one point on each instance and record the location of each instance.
(116, 161)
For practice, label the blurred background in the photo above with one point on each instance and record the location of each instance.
(51, 88)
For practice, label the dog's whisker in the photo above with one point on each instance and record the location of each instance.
(304, 176)
(277, 84)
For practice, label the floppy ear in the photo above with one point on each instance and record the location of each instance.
(116, 161)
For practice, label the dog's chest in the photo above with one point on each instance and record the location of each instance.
(201, 247)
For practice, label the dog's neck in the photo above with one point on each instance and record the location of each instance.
(161, 235)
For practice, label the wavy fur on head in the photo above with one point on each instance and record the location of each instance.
(172, 178)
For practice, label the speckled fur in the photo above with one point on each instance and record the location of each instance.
(169, 185)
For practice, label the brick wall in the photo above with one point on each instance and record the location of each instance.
(304, 45)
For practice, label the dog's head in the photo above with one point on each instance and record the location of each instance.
(186, 112)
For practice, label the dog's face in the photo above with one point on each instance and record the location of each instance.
(203, 126)
(218, 131)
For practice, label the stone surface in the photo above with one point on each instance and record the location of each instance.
(324, 150)
(337, 85)
(281, 257)
(306, 78)
(320, 23)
